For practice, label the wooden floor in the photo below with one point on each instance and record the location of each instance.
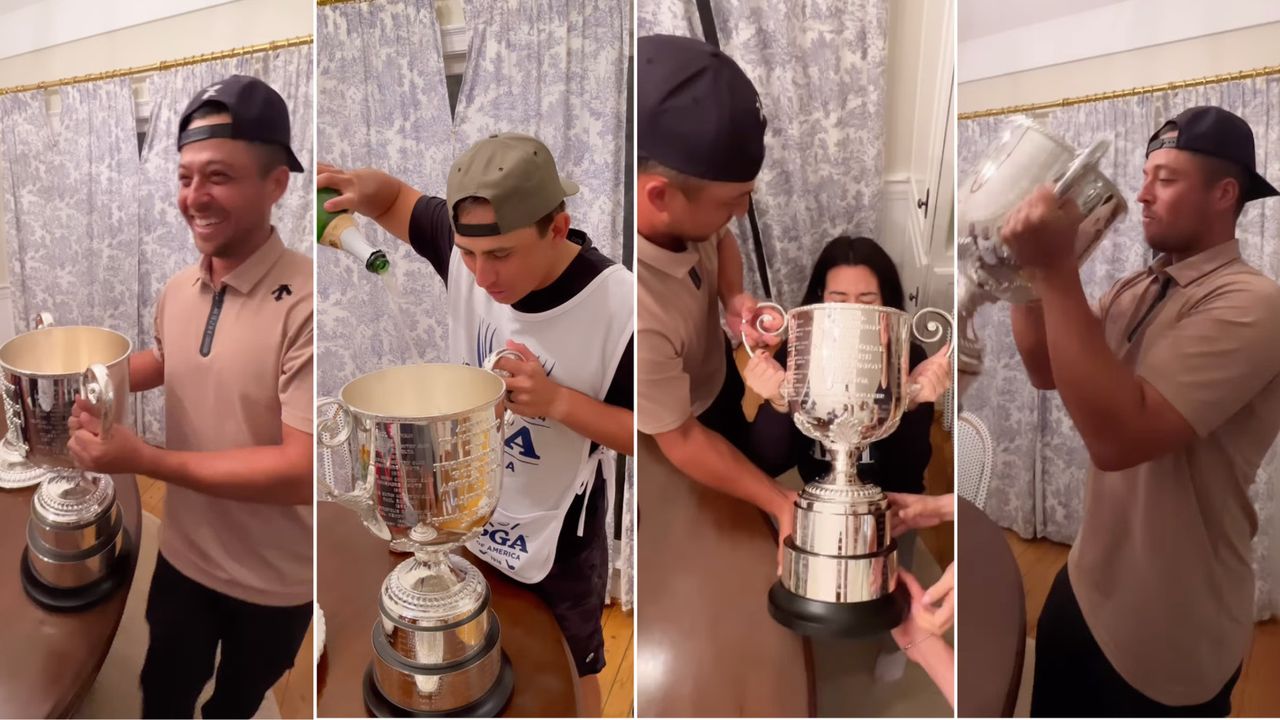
(294, 691)
(617, 682)
(1257, 694)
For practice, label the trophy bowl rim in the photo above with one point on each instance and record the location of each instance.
(497, 400)
(11, 369)
(861, 307)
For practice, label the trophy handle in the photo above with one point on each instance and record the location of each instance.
(1082, 163)
(360, 499)
(42, 320)
(757, 319)
(933, 332)
(13, 418)
(96, 388)
(508, 417)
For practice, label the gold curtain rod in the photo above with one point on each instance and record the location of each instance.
(1117, 94)
(323, 3)
(164, 64)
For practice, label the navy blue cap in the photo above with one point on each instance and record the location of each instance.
(1213, 131)
(258, 114)
(697, 112)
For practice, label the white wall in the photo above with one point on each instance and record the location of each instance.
(902, 78)
(234, 24)
(1246, 49)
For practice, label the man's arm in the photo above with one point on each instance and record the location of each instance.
(609, 425)
(274, 474)
(708, 458)
(1033, 346)
(146, 371)
(729, 269)
(1123, 420)
(386, 200)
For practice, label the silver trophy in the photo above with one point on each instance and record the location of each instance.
(77, 547)
(846, 387)
(1025, 156)
(416, 451)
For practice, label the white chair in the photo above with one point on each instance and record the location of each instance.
(973, 450)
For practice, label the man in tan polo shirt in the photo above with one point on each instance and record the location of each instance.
(1173, 387)
(234, 355)
(701, 144)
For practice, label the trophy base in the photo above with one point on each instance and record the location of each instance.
(58, 599)
(491, 704)
(830, 619)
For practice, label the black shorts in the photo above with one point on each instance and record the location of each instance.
(1073, 678)
(575, 587)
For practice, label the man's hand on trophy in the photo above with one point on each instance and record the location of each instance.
(1041, 231)
(932, 377)
(909, 511)
(118, 452)
(740, 315)
(764, 376)
(530, 393)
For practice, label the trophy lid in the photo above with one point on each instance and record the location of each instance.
(72, 498)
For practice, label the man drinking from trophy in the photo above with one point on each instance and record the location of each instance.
(1172, 384)
(234, 354)
(520, 277)
(701, 145)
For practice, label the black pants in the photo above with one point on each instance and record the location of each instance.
(188, 621)
(1073, 678)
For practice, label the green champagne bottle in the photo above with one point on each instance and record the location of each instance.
(338, 230)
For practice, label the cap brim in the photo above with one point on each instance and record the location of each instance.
(570, 187)
(293, 164)
(1259, 188)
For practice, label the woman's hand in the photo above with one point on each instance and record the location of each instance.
(909, 511)
(764, 376)
(932, 377)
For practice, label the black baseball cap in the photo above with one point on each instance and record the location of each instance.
(258, 114)
(697, 112)
(1219, 133)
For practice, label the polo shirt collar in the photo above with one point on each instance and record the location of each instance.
(245, 277)
(676, 264)
(1188, 271)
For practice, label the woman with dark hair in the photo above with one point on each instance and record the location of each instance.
(852, 270)
(858, 270)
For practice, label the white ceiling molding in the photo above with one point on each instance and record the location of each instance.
(454, 40)
(37, 25)
(1113, 28)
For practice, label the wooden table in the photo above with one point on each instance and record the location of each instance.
(350, 566)
(706, 643)
(48, 660)
(991, 617)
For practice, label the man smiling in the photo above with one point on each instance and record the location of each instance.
(234, 354)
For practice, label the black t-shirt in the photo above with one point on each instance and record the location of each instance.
(431, 235)
(897, 462)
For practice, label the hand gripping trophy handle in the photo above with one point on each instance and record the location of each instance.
(933, 332)
(96, 388)
(757, 320)
(490, 362)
